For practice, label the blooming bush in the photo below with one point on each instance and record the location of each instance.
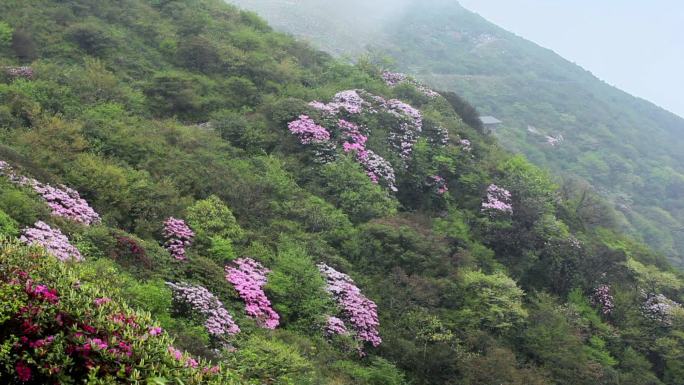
(334, 326)
(52, 240)
(218, 322)
(19, 72)
(178, 236)
(498, 199)
(248, 277)
(393, 79)
(308, 131)
(603, 299)
(358, 310)
(405, 135)
(64, 202)
(439, 184)
(58, 330)
(659, 308)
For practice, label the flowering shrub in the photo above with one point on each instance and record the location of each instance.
(466, 145)
(218, 322)
(178, 236)
(393, 79)
(348, 100)
(376, 167)
(248, 277)
(52, 240)
(64, 202)
(439, 184)
(334, 326)
(60, 331)
(358, 310)
(498, 199)
(308, 131)
(404, 136)
(659, 308)
(19, 72)
(603, 299)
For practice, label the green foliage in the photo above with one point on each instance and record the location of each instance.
(8, 226)
(352, 192)
(492, 302)
(211, 218)
(5, 34)
(152, 109)
(298, 289)
(268, 360)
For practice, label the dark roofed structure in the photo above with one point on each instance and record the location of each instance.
(489, 120)
(489, 123)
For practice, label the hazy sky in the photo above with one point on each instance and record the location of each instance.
(636, 45)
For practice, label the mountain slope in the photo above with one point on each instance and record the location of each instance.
(187, 197)
(627, 148)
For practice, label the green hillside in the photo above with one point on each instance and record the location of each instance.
(629, 150)
(187, 197)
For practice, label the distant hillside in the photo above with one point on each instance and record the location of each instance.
(558, 114)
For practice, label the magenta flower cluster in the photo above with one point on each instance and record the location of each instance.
(218, 322)
(183, 358)
(52, 240)
(19, 72)
(308, 131)
(64, 202)
(248, 277)
(393, 79)
(178, 236)
(376, 167)
(602, 298)
(358, 310)
(498, 199)
(335, 326)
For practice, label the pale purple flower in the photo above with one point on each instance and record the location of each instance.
(218, 321)
(358, 310)
(63, 201)
(178, 237)
(602, 298)
(248, 277)
(498, 199)
(393, 79)
(439, 184)
(54, 242)
(659, 308)
(19, 72)
(308, 131)
(334, 326)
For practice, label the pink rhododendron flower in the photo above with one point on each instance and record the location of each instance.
(101, 301)
(63, 201)
(360, 311)
(498, 199)
(155, 331)
(308, 131)
(248, 277)
(218, 321)
(178, 237)
(335, 325)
